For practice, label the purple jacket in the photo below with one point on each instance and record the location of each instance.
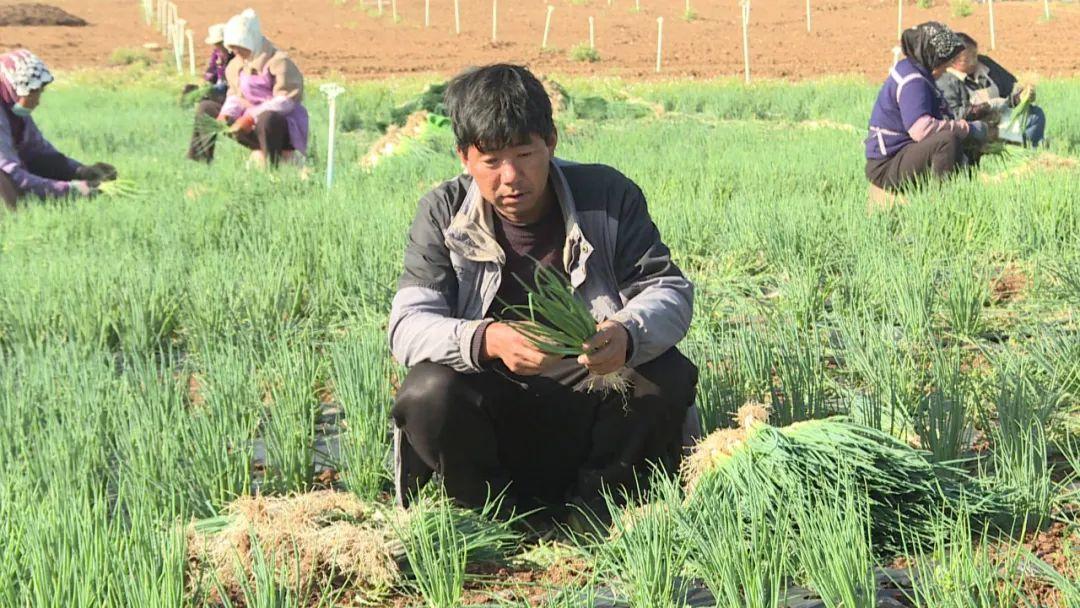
(16, 155)
(215, 69)
(909, 108)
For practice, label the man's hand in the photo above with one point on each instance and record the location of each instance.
(605, 352)
(516, 352)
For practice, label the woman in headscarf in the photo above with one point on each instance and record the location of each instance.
(29, 164)
(913, 134)
(264, 103)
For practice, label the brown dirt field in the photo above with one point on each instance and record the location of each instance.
(347, 37)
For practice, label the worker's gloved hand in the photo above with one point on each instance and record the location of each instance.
(244, 124)
(99, 172)
(83, 187)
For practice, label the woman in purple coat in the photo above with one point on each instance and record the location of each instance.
(264, 105)
(913, 134)
(29, 164)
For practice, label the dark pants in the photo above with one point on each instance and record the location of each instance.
(539, 438)
(1036, 127)
(271, 134)
(939, 155)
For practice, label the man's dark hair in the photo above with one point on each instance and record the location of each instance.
(497, 106)
(969, 42)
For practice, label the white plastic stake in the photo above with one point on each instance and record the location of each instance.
(899, 19)
(494, 21)
(427, 13)
(807, 16)
(331, 90)
(174, 16)
(896, 55)
(191, 51)
(993, 33)
(592, 34)
(547, 26)
(746, 39)
(659, 42)
(380, 7)
(687, 10)
(457, 17)
(637, 5)
(1046, 9)
(393, 10)
(178, 44)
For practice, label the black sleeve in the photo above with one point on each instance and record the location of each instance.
(427, 260)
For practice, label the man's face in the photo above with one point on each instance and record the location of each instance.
(241, 52)
(514, 179)
(968, 60)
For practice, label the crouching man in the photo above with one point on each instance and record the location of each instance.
(481, 406)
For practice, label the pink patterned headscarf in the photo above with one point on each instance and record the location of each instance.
(20, 73)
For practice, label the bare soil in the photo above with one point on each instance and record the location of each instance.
(36, 14)
(349, 38)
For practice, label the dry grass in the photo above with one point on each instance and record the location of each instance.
(330, 538)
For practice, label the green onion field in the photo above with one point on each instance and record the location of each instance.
(209, 333)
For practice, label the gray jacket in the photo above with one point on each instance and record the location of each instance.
(958, 87)
(613, 255)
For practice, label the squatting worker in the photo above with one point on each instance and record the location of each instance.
(977, 87)
(214, 75)
(29, 164)
(264, 104)
(483, 407)
(913, 134)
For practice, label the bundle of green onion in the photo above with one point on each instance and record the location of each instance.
(207, 129)
(904, 487)
(557, 322)
(119, 188)
(194, 95)
(1022, 110)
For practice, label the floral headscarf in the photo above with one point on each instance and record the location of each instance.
(20, 73)
(931, 44)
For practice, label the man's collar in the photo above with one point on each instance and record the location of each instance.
(961, 74)
(470, 232)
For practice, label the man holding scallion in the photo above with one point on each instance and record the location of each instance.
(977, 87)
(538, 312)
(913, 135)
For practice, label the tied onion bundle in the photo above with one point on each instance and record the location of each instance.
(558, 323)
(903, 487)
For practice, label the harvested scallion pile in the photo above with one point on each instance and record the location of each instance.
(902, 485)
(557, 322)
